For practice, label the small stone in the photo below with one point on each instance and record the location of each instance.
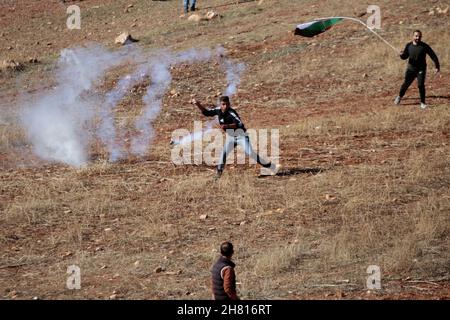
(124, 39)
(137, 263)
(159, 269)
(113, 297)
(67, 254)
(203, 217)
(211, 15)
(195, 18)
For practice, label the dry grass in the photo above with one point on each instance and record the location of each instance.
(382, 196)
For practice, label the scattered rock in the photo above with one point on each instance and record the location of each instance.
(365, 75)
(361, 14)
(12, 65)
(124, 39)
(211, 15)
(66, 254)
(137, 263)
(173, 273)
(113, 297)
(203, 217)
(174, 93)
(442, 11)
(108, 230)
(159, 269)
(195, 18)
(33, 60)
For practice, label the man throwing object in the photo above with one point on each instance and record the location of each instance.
(231, 123)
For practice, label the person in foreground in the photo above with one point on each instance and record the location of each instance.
(223, 276)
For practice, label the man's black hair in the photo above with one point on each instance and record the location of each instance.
(418, 31)
(226, 249)
(225, 99)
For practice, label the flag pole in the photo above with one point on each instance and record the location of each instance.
(365, 25)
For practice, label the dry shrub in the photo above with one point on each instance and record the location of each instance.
(278, 260)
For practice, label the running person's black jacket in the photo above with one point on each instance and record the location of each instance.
(230, 116)
(416, 55)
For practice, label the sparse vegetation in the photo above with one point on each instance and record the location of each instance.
(380, 194)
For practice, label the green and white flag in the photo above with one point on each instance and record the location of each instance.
(313, 28)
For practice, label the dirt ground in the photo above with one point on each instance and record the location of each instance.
(364, 182)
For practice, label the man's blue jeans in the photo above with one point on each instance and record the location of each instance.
(244, 141)
(186, 5)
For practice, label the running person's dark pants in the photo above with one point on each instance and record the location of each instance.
(410, 75)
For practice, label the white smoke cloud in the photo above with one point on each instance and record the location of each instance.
(196, 135)
(55, 122)
(233, 73)
(107, 129)
(59, 122)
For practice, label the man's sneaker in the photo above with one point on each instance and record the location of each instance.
(192, 8)
(423, 105)
(397, 100)
(271, 170)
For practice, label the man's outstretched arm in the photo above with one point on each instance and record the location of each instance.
(204, 111)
